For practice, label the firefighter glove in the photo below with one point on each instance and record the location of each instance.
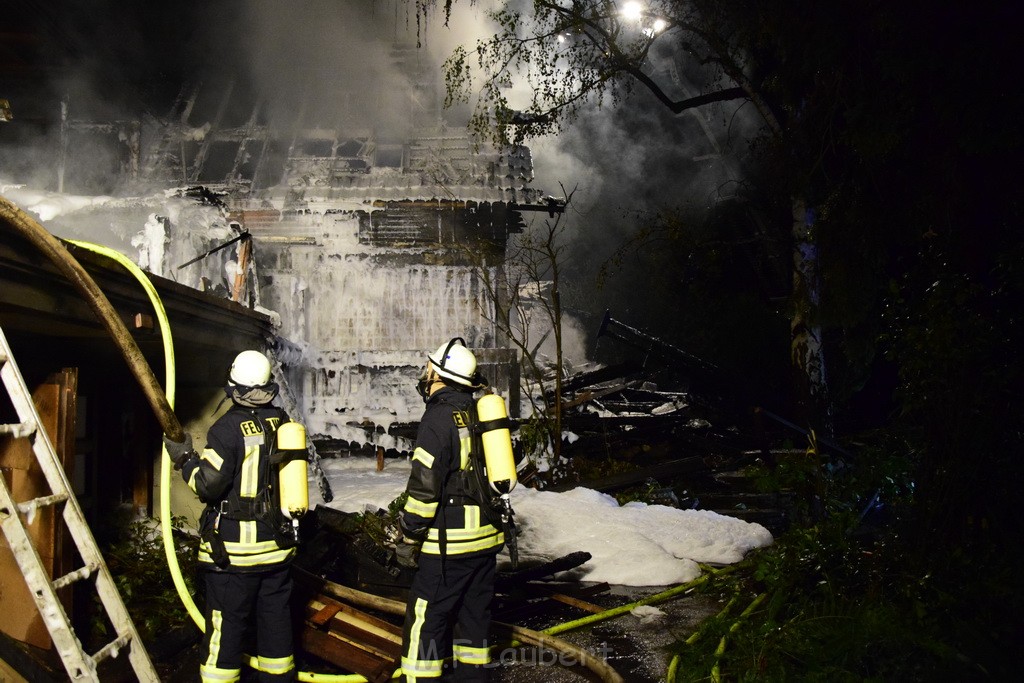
(407, 553)
(180, 451)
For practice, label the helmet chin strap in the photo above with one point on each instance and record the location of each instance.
(428, 378)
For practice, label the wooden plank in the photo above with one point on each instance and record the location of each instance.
(560, 564)
(590, 395)
(354, 631)
(368, 622)
(323, 615)
(575, 602)
(54, 400)
(366, 641)
(346, 655)
(575, 599)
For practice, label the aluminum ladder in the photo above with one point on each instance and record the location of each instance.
(80, 665)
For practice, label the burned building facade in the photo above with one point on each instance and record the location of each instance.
(369, 245)
(371, 266)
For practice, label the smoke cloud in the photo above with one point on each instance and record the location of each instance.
(331, 63)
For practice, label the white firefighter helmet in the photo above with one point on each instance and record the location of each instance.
(250, 369)
(455, 362)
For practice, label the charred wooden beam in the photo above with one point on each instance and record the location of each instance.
(593, 394)
(506, 580)
(536, 599)
(653, 346)
(609, 373)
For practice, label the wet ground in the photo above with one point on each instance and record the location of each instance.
(634, 645)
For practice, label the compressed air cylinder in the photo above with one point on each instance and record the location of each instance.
(497, 442)
(292, 471)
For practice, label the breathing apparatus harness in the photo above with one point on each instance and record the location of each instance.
(490, 472)
(265, 506)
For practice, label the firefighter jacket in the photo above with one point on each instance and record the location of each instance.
(437, 512)
(236, 480)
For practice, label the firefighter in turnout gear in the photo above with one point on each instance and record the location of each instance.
(445, 533)
(247, 543)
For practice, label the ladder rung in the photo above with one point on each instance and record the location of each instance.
(19, 430)
(77, 575)
(30, 506)
(112, 648)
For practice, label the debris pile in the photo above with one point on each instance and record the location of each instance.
(670, 427)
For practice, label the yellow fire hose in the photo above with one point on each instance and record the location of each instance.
(716, 675)
(673, 665)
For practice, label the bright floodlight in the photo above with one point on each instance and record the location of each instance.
(632, 10)
(659, 25)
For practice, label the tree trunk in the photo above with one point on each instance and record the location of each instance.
(806, 348)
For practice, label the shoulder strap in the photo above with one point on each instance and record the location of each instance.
(267, 495)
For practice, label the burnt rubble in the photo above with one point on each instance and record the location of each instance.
(672, 429)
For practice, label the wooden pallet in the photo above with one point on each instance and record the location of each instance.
(351, 639)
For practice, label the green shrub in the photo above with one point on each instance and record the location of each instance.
(137, 560)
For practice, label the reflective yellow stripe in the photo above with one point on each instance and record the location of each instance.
(249, 480)
(419, 508)
(472, 517)
(265, 558)
(217, 621)
(208, 670)
(211, 456)
(423, 668)
(462, 547)
(251, 548)
(246, 533)
(211, 674)
(275, 665)
(426, 458)
(472, 655)
(245, 548)
(274, 557)
(412, 667)
(465, 445)
(463, 534)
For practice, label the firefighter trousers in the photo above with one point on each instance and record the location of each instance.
(449, 615)
(234, 601)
